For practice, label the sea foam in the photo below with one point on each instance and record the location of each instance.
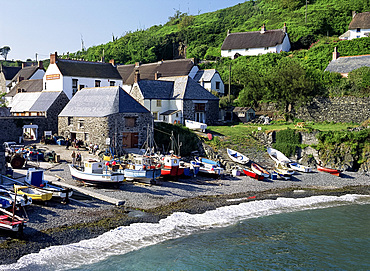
(135, 236)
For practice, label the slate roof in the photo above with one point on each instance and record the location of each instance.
(87, 69)
(9, 72)
(206, 75)
(188, 89)
(26, 86)
(25, 72)
(5, 112)
(45, 100)
(101, 102)
(254, 39)
(22, 102)
(156, 89)
(361, 20)
(166, 68)
(348, 64)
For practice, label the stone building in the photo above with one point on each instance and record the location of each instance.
(106, 116)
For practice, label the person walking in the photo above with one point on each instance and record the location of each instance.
(78, 159)
(73, 155)
(68, 143)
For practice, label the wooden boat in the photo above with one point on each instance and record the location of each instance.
(237, 156)
(35, 178)
(11, 222)
(299, 167)
(251, 173)
(142, 169)
(278, 156)
(332, 171)
(260, 170)
(96, 173)
(283, 171)
(8, 197)
(208, 166)
(194, 125)
(36, 194)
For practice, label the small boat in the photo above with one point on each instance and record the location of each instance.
(96, 173)
(252, 174)
(260, 170)
(332, 171)
(36, 194)
(11, 222)
(283, 171)
(35, 178)
(143, 169)
(299, 167)
(194, 125)
(208, 166)
(8, 197)
(278, 156)
(171, 166)
(190, 169)
(237, 156)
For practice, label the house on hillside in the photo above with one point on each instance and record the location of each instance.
(359, 26)
(244, 114)
(211, 80)
(255, 43)
(174, 99)
(107, 116)
(22, 87)
(346, 64)
(72, 75)
(27, 73)
(6, 76)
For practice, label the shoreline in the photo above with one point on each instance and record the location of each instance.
(110, 217)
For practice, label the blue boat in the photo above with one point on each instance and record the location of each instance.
(142, 169)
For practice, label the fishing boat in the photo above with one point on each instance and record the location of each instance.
(332, 171)
(9, 198)
(194, 125)
(278, 156)
(96, 173)
(251, 173)
(208, 166)
(190, 169)
(299, 167)
(260, 170)
(11, 222)
(142, 169)
(35, 178)
(171, 166)
(283, 171)
(36, 194)
(237, 156)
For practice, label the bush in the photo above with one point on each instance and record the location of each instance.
(287, 141)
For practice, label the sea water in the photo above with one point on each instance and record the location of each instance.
(315, 233)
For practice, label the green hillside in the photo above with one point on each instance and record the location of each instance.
(203, 34)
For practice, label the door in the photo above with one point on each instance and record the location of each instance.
(130, 140)
(199, 117)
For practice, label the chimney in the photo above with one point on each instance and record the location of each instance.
(228, 32)
(285, 30)
(53, 58)
(20, 78)
(335, 54)
(157, 75)
(19, 90)
(137, 64)
(137, 76)
(263, 29)
(353, 13)
(24, 64)
(41, 65)
(111, 62)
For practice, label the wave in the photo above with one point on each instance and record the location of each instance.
(135, 236)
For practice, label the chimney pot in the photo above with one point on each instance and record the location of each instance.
(263, 29)
(137, 64)
(285, 29)
(353, 13)
(111, 62)
(53, 58)
(24, 64)
(335, 54)
(41, 64)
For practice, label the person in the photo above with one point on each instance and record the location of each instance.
(68, 143)
(91, 146)
(78, 159)
(96, 147)
(73, 155)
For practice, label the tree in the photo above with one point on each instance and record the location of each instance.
(4, 51)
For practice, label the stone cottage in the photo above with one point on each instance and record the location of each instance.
(106, 116)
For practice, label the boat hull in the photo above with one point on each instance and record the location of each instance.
(148, 175)
(252, 174)
(332, 171)
(34, 193)
(299, 167)
(259, 170)
(278, 156)
(95, 178)
(237, 157)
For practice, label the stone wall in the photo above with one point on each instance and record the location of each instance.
(211, 111)
(54, 110)
(2, 159)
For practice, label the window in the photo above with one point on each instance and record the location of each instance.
(87, 137)
(217, 85)
(358, 30)
(229, 50)
(112, 83)
(200, 107)
(159, 103)
(246, 49)
(45, 85)
(80, 124)
(97, 83)
(70, 121)
(266, 48)
(130, 121)
(74, 86)
(155, 115)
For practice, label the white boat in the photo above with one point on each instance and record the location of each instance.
(260, 170)
(283, 171)
(278, 156)
(8, 197)
(299, 167)
(208, 166)
(11, 222)
(142, 169)
(36, 194)
(237, 156)
(194, 125)
(35, 178)
(95, 172)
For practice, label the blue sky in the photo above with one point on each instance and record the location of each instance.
(45, 26)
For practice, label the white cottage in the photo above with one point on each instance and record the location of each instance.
(255, 43)
(211, 80)
(72, 75)
(359, 26)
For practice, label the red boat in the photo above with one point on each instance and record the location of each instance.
(11, 222)
(259, 170)
(328, 170)
(252, 174)
(171, 166)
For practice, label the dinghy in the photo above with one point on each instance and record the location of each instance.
(194, 125)
(252, 174)
(260, 170)
(36, 194)
(278, 156)
(299, 167)
(208, 166)
(283, 171)
(332, 171)
(11, 222)
(237, 156)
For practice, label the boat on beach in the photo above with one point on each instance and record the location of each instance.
(194, 125)
(11, 222)
(260, 170)
(143, 168)
(278, 156)
(332, 171)
(36, 194)
(283, 171)
(190, 169)
(9, 199)
(171, 166)
(237, 156)
(209, 167)
(251, 173)
(96, 173)
(299, 167)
